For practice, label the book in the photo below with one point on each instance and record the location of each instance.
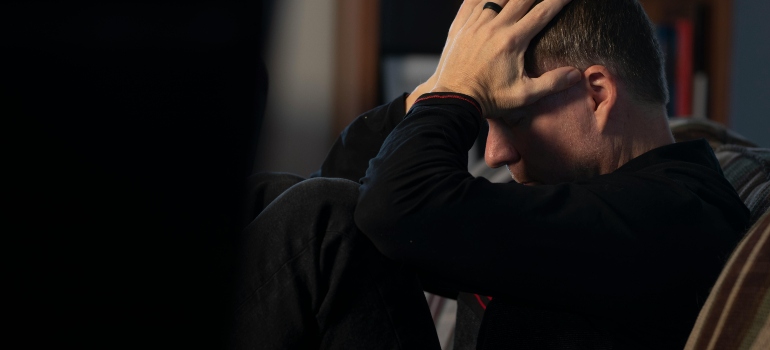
(684, 29)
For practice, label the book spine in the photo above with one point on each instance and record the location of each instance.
(684, 67)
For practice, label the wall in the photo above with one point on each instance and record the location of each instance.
(750, 86)
(300, 64)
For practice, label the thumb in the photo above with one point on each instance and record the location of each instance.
(554, 81)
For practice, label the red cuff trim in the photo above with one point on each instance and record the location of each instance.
(483, 306)
(453, 96)
(481, 302)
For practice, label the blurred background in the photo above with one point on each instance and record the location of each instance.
(128, 128)
(330, 60)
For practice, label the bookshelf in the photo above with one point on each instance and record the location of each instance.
(716, 36)
(357, 35)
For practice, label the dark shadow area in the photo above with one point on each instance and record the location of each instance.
(401, 19)
(129, 130)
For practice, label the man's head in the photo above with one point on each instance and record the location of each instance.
(614, 114)
(616, 34)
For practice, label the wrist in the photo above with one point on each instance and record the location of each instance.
(444, 89)
(420, 90)
(433, 98)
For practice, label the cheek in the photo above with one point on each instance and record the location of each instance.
(553, 141)
(539, 156)
(544, 134)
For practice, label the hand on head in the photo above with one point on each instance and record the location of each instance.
(484, 56)
(465, 11)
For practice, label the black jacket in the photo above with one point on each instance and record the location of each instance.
(630, 255)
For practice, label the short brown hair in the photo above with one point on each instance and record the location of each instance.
(614, 33)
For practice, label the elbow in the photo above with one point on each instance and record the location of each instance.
(378, 221)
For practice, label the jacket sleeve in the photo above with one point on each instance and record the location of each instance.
(361, 140)
(581, 243)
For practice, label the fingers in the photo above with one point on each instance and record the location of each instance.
(552, 82)
(516, 15)
(534, 21)
(465, 11)
(489, 62)
(482, 15)
(515, 10)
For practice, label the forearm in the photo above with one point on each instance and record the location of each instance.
(419, 205)
(415, 179)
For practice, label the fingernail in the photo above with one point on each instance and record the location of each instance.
(574, 76)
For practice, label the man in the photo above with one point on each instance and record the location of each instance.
(613, 244)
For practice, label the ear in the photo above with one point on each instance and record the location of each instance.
(603, 93)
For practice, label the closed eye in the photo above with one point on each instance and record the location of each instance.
(514, 118)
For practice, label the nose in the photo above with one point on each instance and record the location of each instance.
(499, 150)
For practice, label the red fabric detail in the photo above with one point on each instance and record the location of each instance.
(478, 297)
